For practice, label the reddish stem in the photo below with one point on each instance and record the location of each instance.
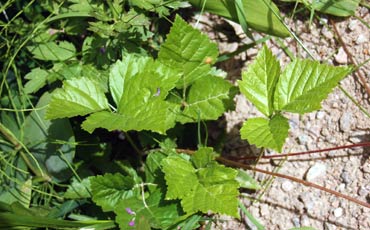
(364, 144)
(306, 183)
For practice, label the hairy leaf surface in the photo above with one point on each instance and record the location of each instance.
(52, 51)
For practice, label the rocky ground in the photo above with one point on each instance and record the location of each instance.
(285, 204)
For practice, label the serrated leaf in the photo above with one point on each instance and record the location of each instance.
(213, 188)
(217, 191)
(142, 104)
(304, 84)
(109, 189)
(207, 99)
(78, 190)
(52, 51)
(188, 50)
(37, 79)
(266, 133)
(121, 70)
(158, 213)
(180, 176)
(259, 81)
(79, 96)
(203, 156)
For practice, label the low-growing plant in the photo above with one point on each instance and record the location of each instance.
(90, 139)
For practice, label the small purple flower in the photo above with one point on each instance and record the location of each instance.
(131, 223)
(103, 50)
(129, 211)
(158, 92)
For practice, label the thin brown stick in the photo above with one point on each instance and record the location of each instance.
(352, 60)
(306, 183)
(364, 144)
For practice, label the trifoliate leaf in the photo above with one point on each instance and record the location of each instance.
(212, 188)
(52, 51)
(79, 96)
(109, 189)
(189, 51)
(260, 79)
(37, 79)
(266, 133)
(157, 212)
(304, 84)
(207, 100)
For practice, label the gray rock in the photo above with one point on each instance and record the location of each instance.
(361, 39)
(352, 25)
(287, 186)
(296, 222)
(316, 171)
(338, 212)
(341, 56)
(346, 177)
(345, 122)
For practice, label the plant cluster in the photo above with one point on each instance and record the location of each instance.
(97, 95)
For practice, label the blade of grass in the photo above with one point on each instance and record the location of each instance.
(250, 216)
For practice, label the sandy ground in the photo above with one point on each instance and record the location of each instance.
(285, 204)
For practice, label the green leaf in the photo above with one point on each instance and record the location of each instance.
(203, 156)
(142, 104)
(127, 68)
(189, 51)
(212, 188)
(259, 14)
(266, 133)
(78, 190)
(37, 79)
(304, 84)
(157, 212)
(109, 189)
(79, 96)
(52, 51)
(246, 181)
(207, 100)
(50, 142)
(342, 8)
(180, 176)
(260, 79)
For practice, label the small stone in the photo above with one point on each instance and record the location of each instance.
(264, 210)
(316, 171)
(338, 212)
(287, 186)
(305, 221)
(352, 25)
(320, 115)
(303, 139)
(345, 177)
(295, 221)
(362, 191)
(361, 39)
(345, 122)
(341, 56)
